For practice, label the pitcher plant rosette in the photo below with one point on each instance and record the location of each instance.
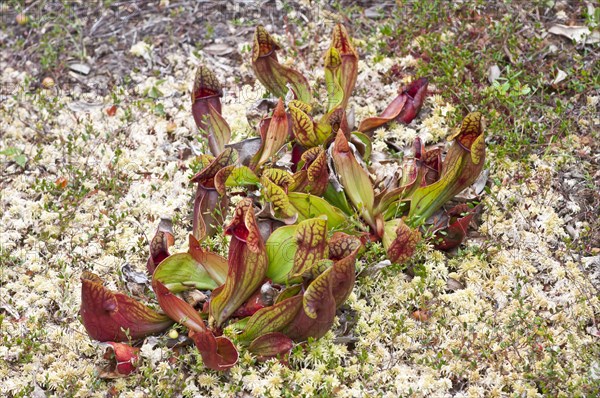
(298, 209)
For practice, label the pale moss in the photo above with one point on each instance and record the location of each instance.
(140, 49)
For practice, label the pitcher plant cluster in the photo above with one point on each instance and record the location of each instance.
(306, 206)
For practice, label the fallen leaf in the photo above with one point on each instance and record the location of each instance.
(579, 34)
(560, 76)
(493, 73)
(375, 268)
(123, 360)
(421, 315)
(452, 284)
(82, 69)
(218, 49)
(61, 182)
(128, 274)
(246, 149)
(82, 106)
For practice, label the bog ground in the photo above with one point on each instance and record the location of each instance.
(94, 158)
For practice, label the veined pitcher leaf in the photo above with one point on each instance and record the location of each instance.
(208, 203)
(274, 76)
(112, 316)
(335, 92)
(326, 292)
(218, 353)
(219, 132)
(220, 179)
(311, 240)
(400, 240)
(349, 61)
(415, 93)
(271, 319)
(242, 176)
(354, 178)
(304, 127)
(215, 265)
(276, 136)
(278, 198)
(316, 316)
(206, 85)
(310, 206)
(206, 94)
(314, 174)
(177, 309)
(281, 248)
(181, 271)
(303, 106)
(206, 175)
(404, 108)
(317, 171)
(342, 245)
(270, 345)
(319, 267)
(390, 113)
(454, 232)
(160, 243)
(280, 177)
(123, 358)
(247, 263)
(343, 249)
(459, 170)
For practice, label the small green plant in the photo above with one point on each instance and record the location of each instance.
(297, 229)
(15, 155)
